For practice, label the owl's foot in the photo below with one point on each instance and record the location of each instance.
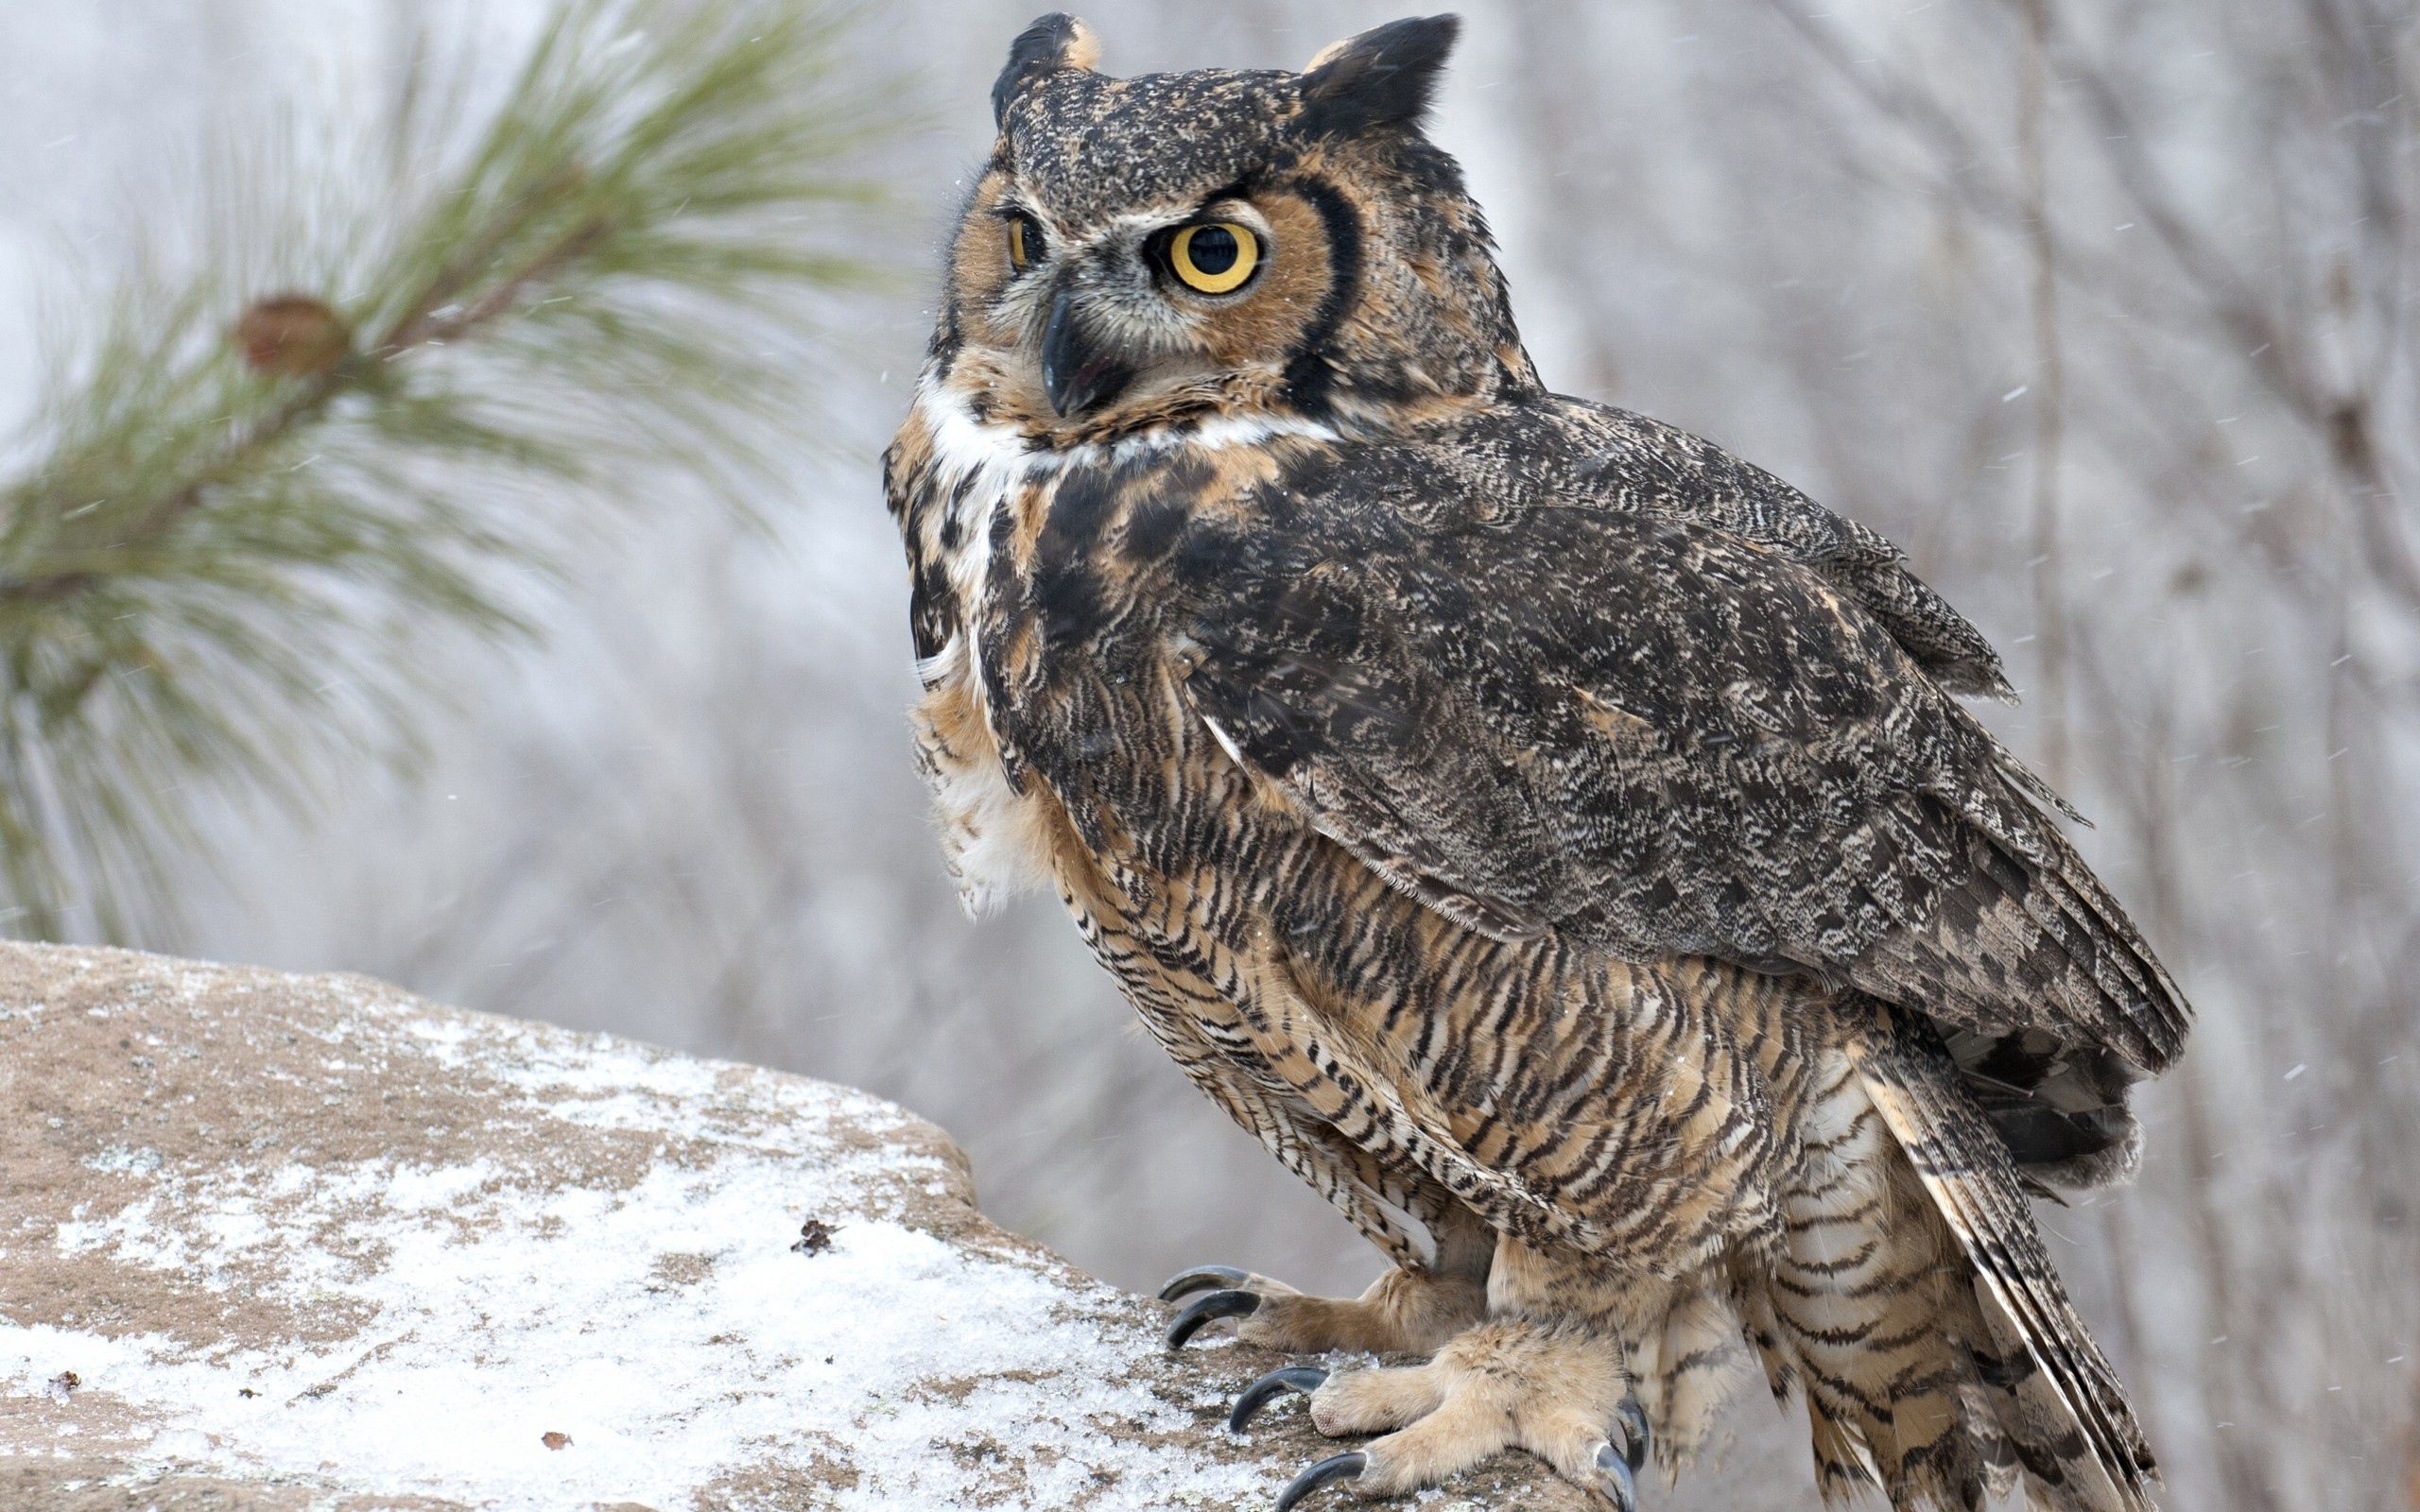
(1404, 1311)
(1562, 1397)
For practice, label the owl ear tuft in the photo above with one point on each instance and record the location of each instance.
(1384, 76)
(1055, 42)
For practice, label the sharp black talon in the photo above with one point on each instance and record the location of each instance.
(1334, 1467)
(1303, 1378)
(1217, 1304)
(1201, 1279)
(1616, 1467)
(1635, 1433)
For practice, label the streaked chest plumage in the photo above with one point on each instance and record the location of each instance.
(992, 526)
(956, 485)
(1063, 747)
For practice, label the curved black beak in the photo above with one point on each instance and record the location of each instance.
(1076, 374)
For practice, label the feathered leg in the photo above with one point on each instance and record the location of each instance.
(1559, 1391)
(1404, 1311)
(1550, 1371)
(1410, 1310)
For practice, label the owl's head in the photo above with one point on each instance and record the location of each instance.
(1160, 250)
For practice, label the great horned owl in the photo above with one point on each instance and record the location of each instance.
(1555, 839)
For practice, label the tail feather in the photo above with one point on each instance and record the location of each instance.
(1865, 1308)
(1909, 1300)
(2065, 1415)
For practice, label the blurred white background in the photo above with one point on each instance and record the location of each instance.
(2108, 321)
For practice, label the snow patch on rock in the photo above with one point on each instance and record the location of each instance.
(311, 1232)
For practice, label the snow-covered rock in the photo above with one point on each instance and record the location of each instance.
(272, 1242)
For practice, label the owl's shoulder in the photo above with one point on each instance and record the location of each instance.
(1499, 462)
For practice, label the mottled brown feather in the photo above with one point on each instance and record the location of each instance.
(1554, 839)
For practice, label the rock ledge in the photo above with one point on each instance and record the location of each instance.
(280, 1242)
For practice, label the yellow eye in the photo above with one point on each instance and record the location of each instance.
(1214, 258)
(1024, 242)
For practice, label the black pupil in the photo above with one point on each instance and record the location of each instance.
(1213, 251)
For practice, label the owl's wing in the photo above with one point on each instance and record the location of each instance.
(1618, 459)
(1651, 735)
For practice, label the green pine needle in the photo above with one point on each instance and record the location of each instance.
(386, 403)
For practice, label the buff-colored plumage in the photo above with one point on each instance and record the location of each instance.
(1555, 839)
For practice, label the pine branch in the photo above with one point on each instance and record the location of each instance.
(385, 408)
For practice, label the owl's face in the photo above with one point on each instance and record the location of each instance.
(1157, 251)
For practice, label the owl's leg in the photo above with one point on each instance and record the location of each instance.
(1412, 1309)
(1558, 1391)
(1406, 1311)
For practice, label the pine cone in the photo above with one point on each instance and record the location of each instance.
(293, 335)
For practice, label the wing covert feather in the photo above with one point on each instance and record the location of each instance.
(1650, 734)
